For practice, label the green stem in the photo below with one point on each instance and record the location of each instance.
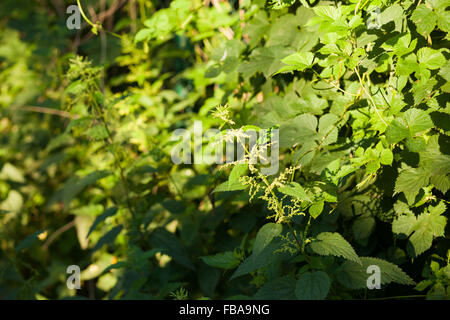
(95, 26)
(370, 96)
(85, 17)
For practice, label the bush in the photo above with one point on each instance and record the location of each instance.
(347, 103)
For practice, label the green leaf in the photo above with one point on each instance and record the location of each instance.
(143, 34)
(363, 226)
(410, 181)
(107, 213)
(328, 132)
(391, 13)
(257, 261)
(266, 60)
(316, 209)
(397, 131)
(265, 235)
(386, 157)
(109, 237)
(277, 289)
(223, 260)
(297, 61)
(332, 243)
(404, 224)
(97, 132)
(411, 123)
(354, 276)
(312, 286)
(298, 130)
(295, 190)
(75, 185)
(424, 228)
(233, 183)
(117, 265)
(430, 58)
(425, 19)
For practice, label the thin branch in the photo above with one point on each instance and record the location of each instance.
(45, 110)
(55, 234)
(370, 97)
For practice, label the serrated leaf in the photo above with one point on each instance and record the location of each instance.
(354, 276)
(298, 130)
(257, 261)
(278, 289)
(332, 243)
(266, 60)
(424, 228)
(404, 224)
(265, 235)
(316, 209)
(297, 61)
(328, 133)
(295, 190)
(233, 183)
(411, 123)
(363, 226)
(430, 58)
(312, 286)
(425, 19)
(410, 181)
(441, 182)
(391, 13)
(397, 131)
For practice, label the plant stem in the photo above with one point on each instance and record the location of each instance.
(116, 159)
(370, 96)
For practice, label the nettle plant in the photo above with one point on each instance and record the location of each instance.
(358, 93)
(363, 120)
(350, 96)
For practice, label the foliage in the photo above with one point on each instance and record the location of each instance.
(358, 90)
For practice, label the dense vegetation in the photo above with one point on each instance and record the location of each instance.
(357, 89)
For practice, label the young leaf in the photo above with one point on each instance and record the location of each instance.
(316, 209)
(297, 61)
(233, 183)
(295, 190)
